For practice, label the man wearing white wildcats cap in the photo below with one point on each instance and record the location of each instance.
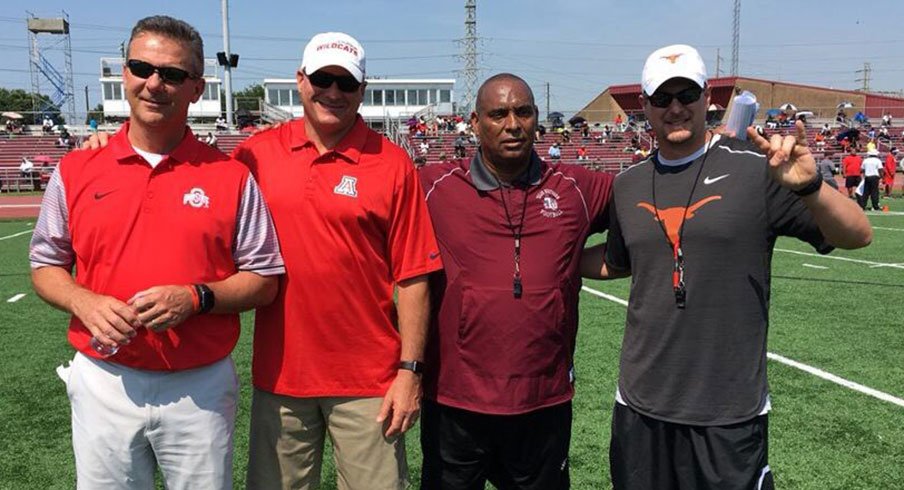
(695, 224)
(334, 354)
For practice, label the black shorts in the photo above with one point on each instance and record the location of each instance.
(852, 181)
(647, 453)
(463, 449)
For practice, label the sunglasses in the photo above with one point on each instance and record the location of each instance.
(685, 97)
(322, 79)
(169, 74)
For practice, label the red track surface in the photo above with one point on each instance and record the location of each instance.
(12, 206)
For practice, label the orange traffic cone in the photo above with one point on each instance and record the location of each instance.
(885, 208)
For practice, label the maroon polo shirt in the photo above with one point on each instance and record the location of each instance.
(489, 351)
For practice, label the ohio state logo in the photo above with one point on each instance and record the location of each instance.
(196, 198)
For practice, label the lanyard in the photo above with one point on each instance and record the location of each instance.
(678, 286)
(516, 236)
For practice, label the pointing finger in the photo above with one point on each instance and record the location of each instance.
(801, 133)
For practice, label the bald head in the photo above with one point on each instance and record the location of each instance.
(480, 104)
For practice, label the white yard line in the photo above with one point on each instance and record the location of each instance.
(889, 229)
(790, 362)
(885, 213)
(16, 298)
(814, 266)
(7, 237)
(845, 259)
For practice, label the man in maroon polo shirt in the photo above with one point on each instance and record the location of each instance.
(511, 228)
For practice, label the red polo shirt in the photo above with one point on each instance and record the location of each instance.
(351, 223)
(851, 164)
(489, 351)
(128, 226)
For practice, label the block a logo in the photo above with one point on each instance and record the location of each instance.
(348, 186)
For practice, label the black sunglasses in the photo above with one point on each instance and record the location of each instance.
(685, 97)
(143, 69)
(322, 79)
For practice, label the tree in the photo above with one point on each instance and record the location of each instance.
(247, 98)
(18, 100)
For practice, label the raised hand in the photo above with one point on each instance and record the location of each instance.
(790, 162)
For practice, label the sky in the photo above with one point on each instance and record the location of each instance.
(577, 47)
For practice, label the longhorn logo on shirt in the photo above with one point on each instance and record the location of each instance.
(671, 217)
(348, 186)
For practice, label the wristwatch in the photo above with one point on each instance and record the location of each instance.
(416, 367)
(205, 297)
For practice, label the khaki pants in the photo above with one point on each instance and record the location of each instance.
(286, 444)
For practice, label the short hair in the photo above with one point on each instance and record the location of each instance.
(499, 77)
(175, 29)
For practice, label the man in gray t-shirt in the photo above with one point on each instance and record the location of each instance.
(826, 168)
(695, 225)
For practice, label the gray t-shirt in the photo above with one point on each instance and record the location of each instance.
(826, 168)
(704, 364)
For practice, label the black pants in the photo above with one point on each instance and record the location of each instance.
(870, 190)
(649, 454)
(463, 449)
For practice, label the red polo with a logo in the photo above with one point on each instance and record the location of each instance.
(351, 223)
(133, 227)
(490, 350)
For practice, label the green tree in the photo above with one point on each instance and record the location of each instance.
(18, 100)
(97, 114)
(247, 98)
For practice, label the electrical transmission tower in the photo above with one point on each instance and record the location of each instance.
(866, 71)
(469, 57)
(735, 37)
(50, 34)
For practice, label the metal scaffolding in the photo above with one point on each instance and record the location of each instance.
(45, 36)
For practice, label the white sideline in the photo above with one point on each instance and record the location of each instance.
(889, 229)
(833, 257)
(16, 234)
(16, 298)
(814, 266)
(790, 362)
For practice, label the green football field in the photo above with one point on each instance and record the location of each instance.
(837, 331)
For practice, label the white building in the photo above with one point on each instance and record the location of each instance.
(116, 105)
(383, 98)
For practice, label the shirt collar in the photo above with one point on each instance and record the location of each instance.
(350, 148)
(483, 180)
(186, 151)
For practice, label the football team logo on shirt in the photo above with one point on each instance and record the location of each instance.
(347, 187)
(550, 200)
(672, 218)
(196, 198)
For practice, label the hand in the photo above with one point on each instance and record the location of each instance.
(402, 403)
(96, 141)
(790, 162)
(163, 307)
(108, 319)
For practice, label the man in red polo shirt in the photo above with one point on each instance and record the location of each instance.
(334, 354)
(500, 371)
(170, 240)
(851, 166)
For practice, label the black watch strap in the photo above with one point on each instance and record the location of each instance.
(811, 187)
(206, 299)
(417, 367)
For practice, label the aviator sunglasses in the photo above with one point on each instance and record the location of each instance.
(143, 69)
(322, 79)
(685, 97)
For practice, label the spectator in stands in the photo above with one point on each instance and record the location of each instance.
(211, 139)
(335, 355)
(883, 135)
(554, 152)
(607, 132)
(841, 118)
(461, 126)
(582, 153)
(871, 145)
(498, 398)
(420, 161)
(424, 148)
(851, 164)
(460, 144)
(26, 167)
(566, 136)
(825, 131)
(63, 139)
(690, 410)
(157, 291)
(618, 122)
(220, 125)
(541, 131)
(92, 125)
(891, 166)
(886, 120)
(872, 170)
(585, 131)
(820, 141)
(871, 134)
(826, 168)
(47, 125)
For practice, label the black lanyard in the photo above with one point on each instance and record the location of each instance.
(678, 285)
(516, 236)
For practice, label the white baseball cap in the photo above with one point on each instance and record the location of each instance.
(675, 61)
(334, 49)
